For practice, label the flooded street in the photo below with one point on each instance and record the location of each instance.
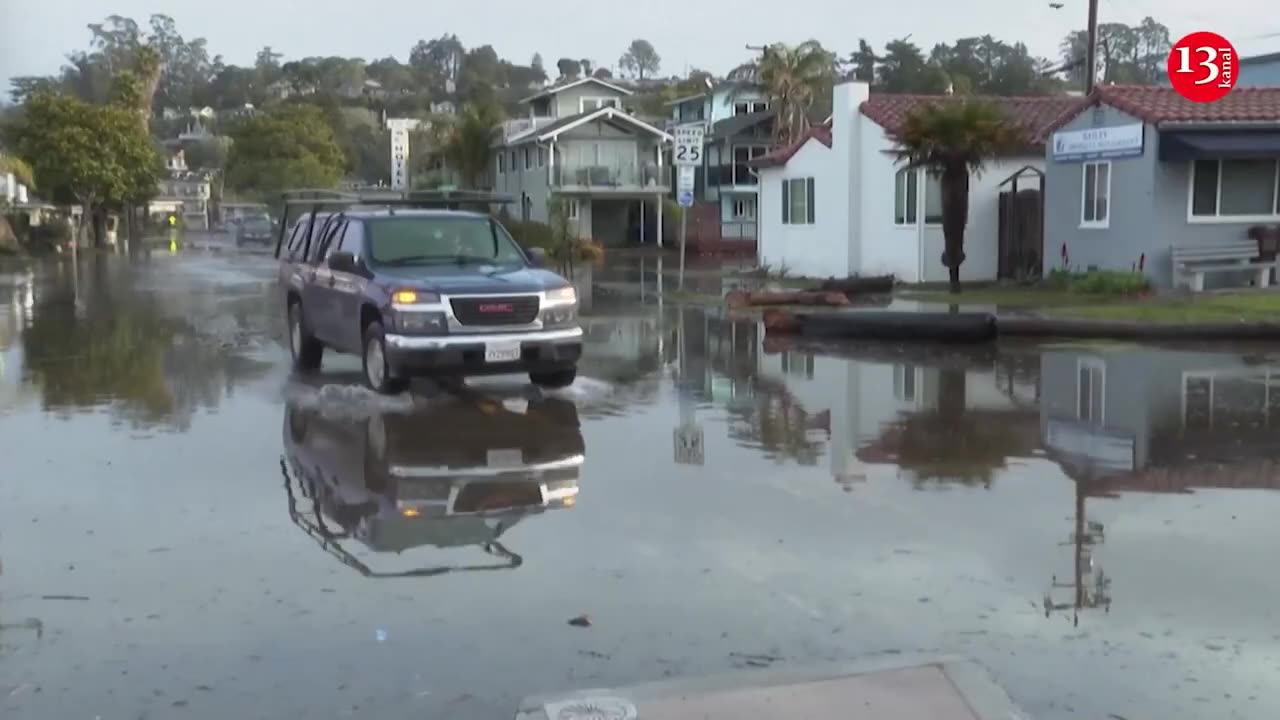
(188, 530)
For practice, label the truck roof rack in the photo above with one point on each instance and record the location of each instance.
(314, 200)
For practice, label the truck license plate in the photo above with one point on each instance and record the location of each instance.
(500, 352)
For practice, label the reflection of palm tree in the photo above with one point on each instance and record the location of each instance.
(779, 424)
(955, 445)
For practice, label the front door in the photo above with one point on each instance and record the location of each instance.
(347, 290)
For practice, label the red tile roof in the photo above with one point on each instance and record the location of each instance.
(1157, 105)
(1033, 115)
(780, 156)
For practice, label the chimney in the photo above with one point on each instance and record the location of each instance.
(846, 146)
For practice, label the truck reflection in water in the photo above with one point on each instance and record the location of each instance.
(460, 473)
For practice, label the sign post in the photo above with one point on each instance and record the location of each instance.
(689, 140)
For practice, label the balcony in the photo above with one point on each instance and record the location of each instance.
(520, 126)
(627, 177)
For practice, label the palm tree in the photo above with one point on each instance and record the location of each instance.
(793, 78)
(952, 139)
(469, 144)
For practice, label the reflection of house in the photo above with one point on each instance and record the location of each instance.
(1161, 421)
(182, 192)
(578, 145)
(838, 201)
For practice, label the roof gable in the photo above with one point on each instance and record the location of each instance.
(556, 89)
(1034, 116)
(607, 114)
(1163, 105)
(779, 156)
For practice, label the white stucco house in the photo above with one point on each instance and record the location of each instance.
(840, 202)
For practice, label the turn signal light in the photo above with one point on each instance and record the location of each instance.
(404, 297)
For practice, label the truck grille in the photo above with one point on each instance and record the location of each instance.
(496, 310)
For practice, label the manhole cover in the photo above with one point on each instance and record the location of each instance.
(592, 708)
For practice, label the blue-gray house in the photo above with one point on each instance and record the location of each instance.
(1134, 171)
(1260, 71)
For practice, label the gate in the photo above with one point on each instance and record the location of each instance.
(1020, 245)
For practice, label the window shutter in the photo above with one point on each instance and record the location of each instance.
(786, 202)
(808, 193)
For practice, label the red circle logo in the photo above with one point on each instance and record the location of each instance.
(1203, 67)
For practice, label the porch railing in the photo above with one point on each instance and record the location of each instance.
(627, 175)
(738, 230)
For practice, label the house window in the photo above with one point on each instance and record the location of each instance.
(742, 155)
(1238, 189)
(512, 161)
(932, 199)
(904, 382)
(794, 363)
(502, 163)
(1095, 194)
(1091, 391)
(744, 209)
(904, 196)
(571, 208)
(528, 159)
(797, 201)
(542, 157)
(742, 108)
(587, 104)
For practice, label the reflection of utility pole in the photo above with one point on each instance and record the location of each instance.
(1090, 586)
(687, 437)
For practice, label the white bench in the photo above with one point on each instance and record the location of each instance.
(1191, 262)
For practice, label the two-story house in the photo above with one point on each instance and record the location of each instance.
(181, 192)
(580, 145)
(739, 125)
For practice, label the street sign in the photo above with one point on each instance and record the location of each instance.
(400, 128)
(689, 140)
(685, 178)
(688, 444)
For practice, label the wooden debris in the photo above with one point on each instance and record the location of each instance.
(859, 285)
(738, 298)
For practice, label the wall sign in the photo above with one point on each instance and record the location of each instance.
(1094, 143)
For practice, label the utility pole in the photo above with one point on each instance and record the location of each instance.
(1091, 53)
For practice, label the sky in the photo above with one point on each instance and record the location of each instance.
(709, 34)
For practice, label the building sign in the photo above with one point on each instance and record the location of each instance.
(1095, 143)
(399, 128)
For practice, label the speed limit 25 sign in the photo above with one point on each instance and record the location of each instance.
(1203, 67)
(688, 144)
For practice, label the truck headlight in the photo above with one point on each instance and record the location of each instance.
(420, 322)
(559, 315)
(562, 296)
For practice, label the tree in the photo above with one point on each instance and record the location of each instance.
(536, 64)
(292, 146)
(864, 62)
(588, 67)
(793, 78)
(95, 156)
(640, 59)
(1126, 54)
(468, 146)
(903, 69)
(950, 140)
(438, 63)
(569, 68)
(602, 73)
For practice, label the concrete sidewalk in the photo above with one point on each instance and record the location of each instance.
(897, 688)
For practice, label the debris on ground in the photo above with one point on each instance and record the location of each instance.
(64, 597)
(581, 621)
(740, 298)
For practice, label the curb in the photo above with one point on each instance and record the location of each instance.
(986, 699)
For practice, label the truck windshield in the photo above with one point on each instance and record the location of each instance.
(441, 240)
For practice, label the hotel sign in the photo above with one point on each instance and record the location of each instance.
(1098, 143)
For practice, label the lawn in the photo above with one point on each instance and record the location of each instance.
(1245, 305)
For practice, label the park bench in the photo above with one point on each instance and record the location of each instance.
(1192, 262)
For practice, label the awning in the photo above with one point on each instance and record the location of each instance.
(1218, 144)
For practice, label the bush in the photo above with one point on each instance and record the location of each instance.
(1103, 282)
(531, 234)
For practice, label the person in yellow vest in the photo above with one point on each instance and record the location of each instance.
(173, 234)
